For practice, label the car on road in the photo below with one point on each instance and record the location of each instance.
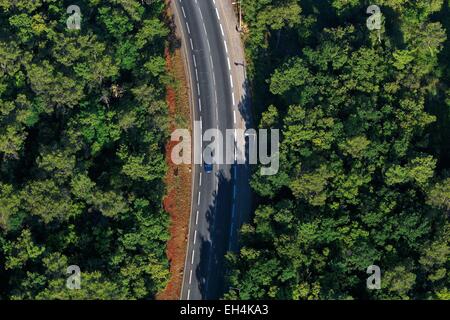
(208, 156)
(208, 167)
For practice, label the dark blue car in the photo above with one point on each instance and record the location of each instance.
(208, 162)
(208, 167)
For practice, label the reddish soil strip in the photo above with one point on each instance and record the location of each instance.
(178, 179)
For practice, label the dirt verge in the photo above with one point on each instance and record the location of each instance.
(178, 179)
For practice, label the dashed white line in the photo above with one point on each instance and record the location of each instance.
(200, 182)
(192, 44)
(209, 46)
(190, 277)
(199, 197)
(184, 13)
(195, 237)
(195, 60)
(229, 64)
(196, 219)
(217, 13)
(189, 294)
(188, 29)
(193, 256)
(226, 46)
(200, 104)
(232, 96)
(221, 29)
(231, 81)
(234, 116)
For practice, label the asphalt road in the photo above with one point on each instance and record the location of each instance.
(220, 199)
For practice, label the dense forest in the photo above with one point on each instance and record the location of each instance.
(83, 126)
(365, 153)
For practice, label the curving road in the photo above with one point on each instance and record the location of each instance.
(221, 199)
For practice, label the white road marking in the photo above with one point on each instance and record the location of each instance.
(193, 256)
(235, 143)
(196, 74)
(201, 14)
(200, 104)
(195, 237)
(188, 29)
(229, 64)
(190, 277)
(195, 60)
(189, 294)
(232, 96)
(199, 197)
(184, 13)
(217, 13)
(226, 46)
(234, 116)
(209, 46)
(221, 29)
(200, 183)
(192, 45)
(198, 88)
(196, 219)
(231, 81)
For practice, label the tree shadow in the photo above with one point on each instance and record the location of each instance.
(210, 271)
